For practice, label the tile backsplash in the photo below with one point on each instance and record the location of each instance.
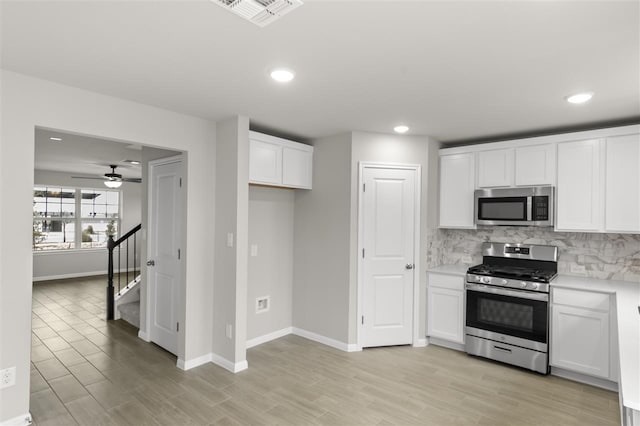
(604, 256)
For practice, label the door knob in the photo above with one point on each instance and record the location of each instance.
(151, 263)
(409, 266)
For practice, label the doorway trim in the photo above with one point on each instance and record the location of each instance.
(416, 246)
(180, 303)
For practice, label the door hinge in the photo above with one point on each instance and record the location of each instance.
(180, 183)
(363, 253)
(364, 187)
(177, 326)
(363, 320)
(178, 254)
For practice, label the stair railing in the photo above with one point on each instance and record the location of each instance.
(112, 246)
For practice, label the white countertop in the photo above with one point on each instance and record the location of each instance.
(459, 269)
(627, 296)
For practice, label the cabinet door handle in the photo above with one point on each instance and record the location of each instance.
(408, 266)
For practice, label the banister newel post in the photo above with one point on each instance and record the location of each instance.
(110, 292)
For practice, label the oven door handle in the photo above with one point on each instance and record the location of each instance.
(544, 297)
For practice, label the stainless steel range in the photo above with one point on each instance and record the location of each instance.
(507, 313)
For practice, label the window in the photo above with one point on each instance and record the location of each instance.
(58, 226)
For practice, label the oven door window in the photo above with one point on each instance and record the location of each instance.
(503, 208)
(508, 315)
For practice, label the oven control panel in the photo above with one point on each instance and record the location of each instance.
(504, 282)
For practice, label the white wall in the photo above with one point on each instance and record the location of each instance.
(231, 263)
(321, 241)
(61, 264)
(326, 229)
(29, 102)
(271, 218)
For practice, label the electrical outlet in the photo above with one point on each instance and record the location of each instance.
(263, 304)
(230, 239)
(7, 377)
(254, 250)
(229, 331)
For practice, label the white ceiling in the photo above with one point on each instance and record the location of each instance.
(453, 70)
(73, 155)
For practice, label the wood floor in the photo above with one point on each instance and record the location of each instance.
(88, 371)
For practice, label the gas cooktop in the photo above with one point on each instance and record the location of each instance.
(513, 272)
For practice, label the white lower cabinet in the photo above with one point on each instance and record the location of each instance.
(581, 337)
(445, 307)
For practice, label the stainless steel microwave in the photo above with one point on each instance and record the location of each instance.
(525, 206)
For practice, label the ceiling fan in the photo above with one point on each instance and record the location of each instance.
(111, 180)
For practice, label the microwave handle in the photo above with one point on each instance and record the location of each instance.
(529, 208)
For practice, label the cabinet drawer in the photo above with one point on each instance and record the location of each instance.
(582, 299)
(445, 281)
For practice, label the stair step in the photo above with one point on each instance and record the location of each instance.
(130, 312)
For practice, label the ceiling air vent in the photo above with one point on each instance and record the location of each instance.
(260, 12)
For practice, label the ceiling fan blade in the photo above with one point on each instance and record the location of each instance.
(89, 177)
(135, 180)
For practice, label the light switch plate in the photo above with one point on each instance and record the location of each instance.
(230, 239)
(254, 250)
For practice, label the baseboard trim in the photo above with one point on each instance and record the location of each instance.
(193, 363)
(229, 365)
(268, 337)
(326, 340)
(445, 344)
(23, 420)
(420, 343)
(144, 336)
(583, 378)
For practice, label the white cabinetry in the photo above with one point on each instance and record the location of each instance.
(580, 186)
(457, 175)
(495, 168)
(581, 332)
(622, 205)
(445, 307)
(279, 162)
(535, 165)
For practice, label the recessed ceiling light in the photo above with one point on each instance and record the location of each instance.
(55, 139)
(401, 129)
(282, 75)
(579, 98)
(135, 163)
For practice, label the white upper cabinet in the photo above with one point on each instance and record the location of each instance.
(535, 165)
(622, 205)
(279, 162)
(297, 167)
(495, 168)
(580, 186)
(265, 162)
(457, 175)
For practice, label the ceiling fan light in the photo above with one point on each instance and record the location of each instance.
(112, 183)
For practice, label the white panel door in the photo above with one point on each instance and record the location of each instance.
(535, 165)
(265, 162)
(457, 183)
(495, 168)
(445, 314)
(389, 201)
(164, 236)
(580, 186)
(623, 184)
(580, 340)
